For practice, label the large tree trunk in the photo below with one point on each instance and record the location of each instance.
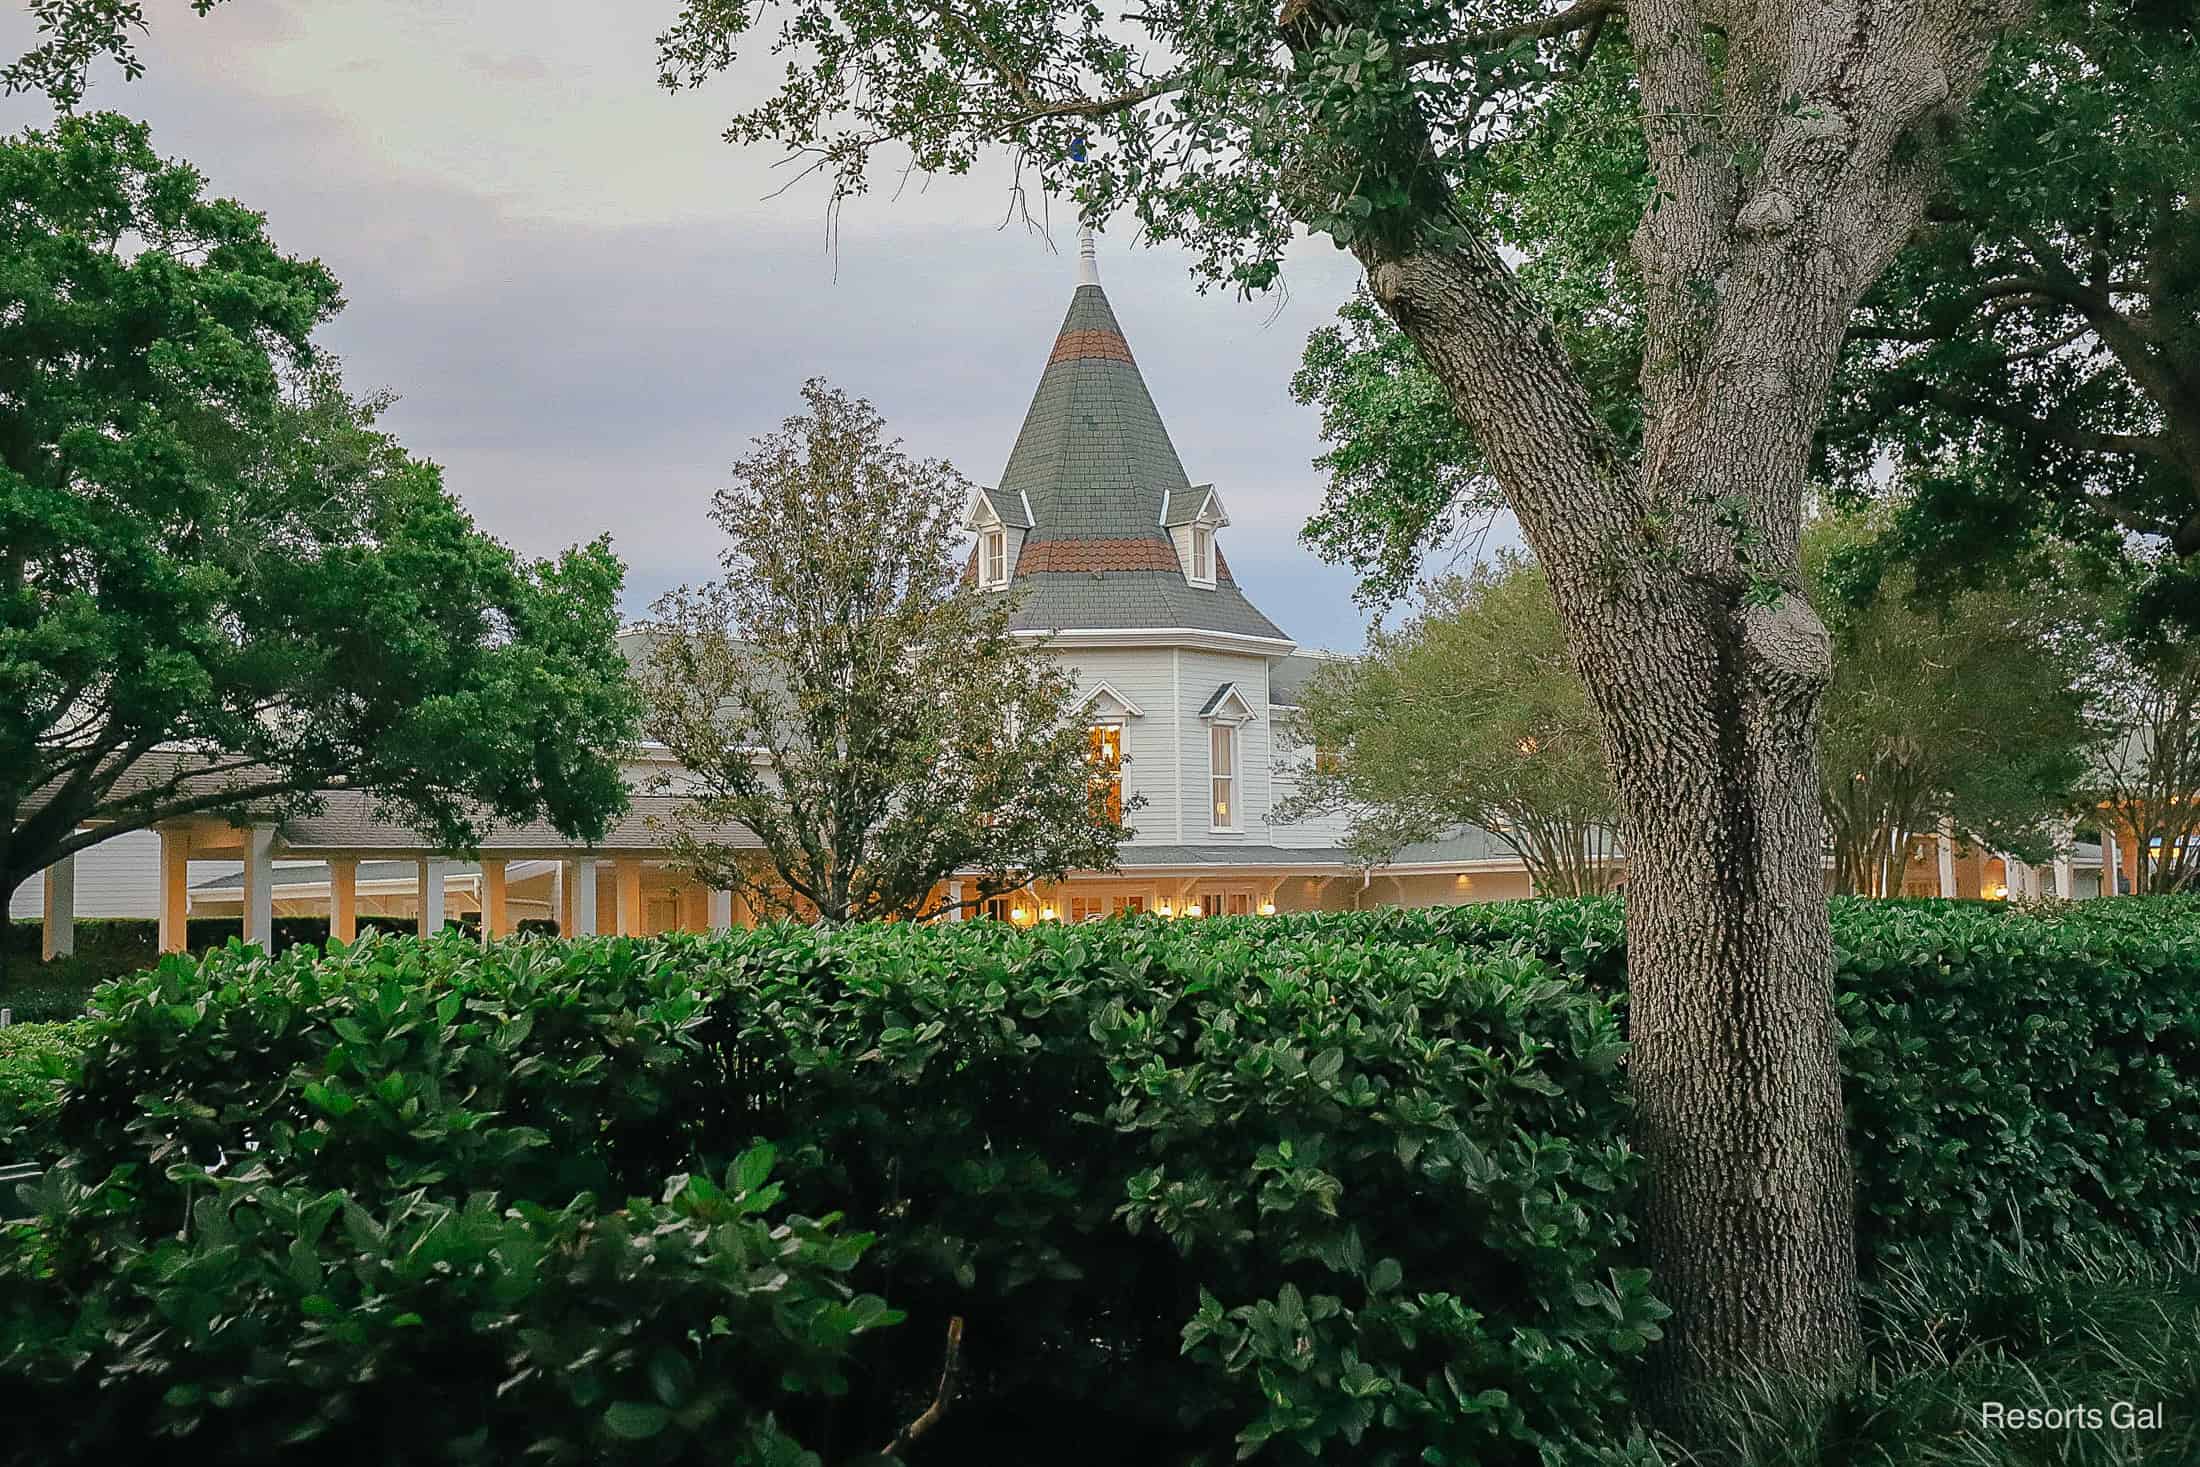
(1794, 157)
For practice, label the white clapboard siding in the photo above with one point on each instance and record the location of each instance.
(116, 878)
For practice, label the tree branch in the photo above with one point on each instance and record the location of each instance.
(950, 1379)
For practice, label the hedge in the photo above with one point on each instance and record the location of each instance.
(2011, 1072)
(1345, 1183)
(110, 947)
(1196, 1191)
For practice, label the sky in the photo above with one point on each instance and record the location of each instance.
(587, 304)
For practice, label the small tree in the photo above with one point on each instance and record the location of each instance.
(1966, 708)
(2147, 778)
(1469, 714)
(850, 696)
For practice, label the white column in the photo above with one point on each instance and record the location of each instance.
(721, 910)
(434, 871)
(584, 898)
(2112, 862)
(58, 935)
(955, 912)
(2066, 880)
(1947, 858)
(175, 888)
(259, 886)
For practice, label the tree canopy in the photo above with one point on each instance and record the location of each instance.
(2146, 779)
(848, 694)
(2030, 364)
(1470, 713)
(1970, 710)
(1973, 708)
(220, 582)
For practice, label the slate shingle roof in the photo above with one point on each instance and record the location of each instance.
(1099, 472)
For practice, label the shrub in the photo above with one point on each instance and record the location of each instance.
(2012, 1072)
(36, 1062)
(293, 1321)
(111, 947)
(1196, 1189)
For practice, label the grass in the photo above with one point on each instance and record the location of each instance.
(2030, 1328)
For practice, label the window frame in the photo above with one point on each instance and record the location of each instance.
(1223, 734)
(1107, 783)
(993, 557)
(1202, 571)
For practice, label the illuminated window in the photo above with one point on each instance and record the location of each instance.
(996, 558)
(1086, 908)
(997, 908)
(1222, 775)
(1126, 906)
(1107, 770)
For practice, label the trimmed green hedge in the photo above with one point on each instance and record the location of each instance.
(1341, 1184)
(2012, 1072)
(1195, 1190)
(109, 947)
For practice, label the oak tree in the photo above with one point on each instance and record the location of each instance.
(857, 702)
(1794, 145)
(220, 583)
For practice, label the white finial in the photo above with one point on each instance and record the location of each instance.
(1088, 259)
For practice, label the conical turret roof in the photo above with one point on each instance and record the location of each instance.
(1095, 466)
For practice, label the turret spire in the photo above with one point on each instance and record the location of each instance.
(1088, 258)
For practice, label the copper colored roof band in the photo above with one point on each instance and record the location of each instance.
(1073, 346)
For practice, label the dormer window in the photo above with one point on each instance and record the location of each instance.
(993, 558)
(1203, 555)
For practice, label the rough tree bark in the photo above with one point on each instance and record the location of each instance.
(1793, 142)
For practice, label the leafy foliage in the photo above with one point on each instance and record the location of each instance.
(36, 1062)
(1197, 1186)
(2147, 779)
(2011, 1073)
(2030, 360)
(1969, 708)
(1471, 713)
(219, 581)
(848, 695)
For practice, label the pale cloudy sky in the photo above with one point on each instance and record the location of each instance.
(588, 305)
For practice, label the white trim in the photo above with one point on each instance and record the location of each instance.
(1176, 740)
(1236, 776)
(1130, 709)
(1096, 638)
(981, 513)
(992, 546)
(1204, 579)
(1220, 713)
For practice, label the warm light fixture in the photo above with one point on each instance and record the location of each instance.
(1164, 907)
(1997, 893)
(1046, 914)
(1019, 914)
(1191, 909)
(1268, 909)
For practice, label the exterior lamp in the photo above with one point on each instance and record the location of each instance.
(1997, 892)
(1165, 908)
(1191, 909)
(1046, 914)
(1020, 915)
(1268, 909)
